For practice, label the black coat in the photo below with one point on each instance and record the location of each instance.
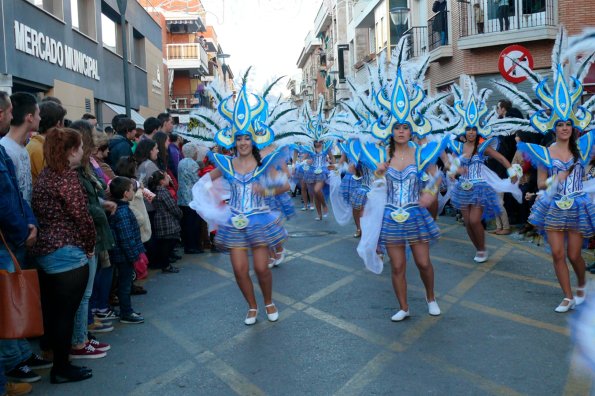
(439, 23)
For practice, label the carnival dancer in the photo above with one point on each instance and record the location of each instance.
(300, 163)
(475, 192)
(396, 214)
(563, 209)
(352, 181)
(246, 224)
(318, 155)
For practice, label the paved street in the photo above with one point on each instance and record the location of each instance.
(498, 333)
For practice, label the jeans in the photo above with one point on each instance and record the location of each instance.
(2, 379)
(125, 271)
(81, 320)
(6, 261)
(64, 259)
(102, 288)
(12, 352)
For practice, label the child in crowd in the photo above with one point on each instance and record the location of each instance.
(167, 221)
(129, 247)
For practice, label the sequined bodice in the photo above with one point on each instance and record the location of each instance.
(243, 199)
(319, 161)
(474, 165)
(403, 187)
(574, 181)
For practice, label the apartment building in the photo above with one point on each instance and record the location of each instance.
(464, 37)
(192, 56)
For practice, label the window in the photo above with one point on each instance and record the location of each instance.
(54, 7)
(83, 17)
(139, 49)
(111, 34)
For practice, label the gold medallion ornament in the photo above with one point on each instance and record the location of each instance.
(240, 221)
(565, 203)
(400, 215)
(466, 185)
(318, 171)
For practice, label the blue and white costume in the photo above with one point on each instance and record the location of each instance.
(566, 206)
(404, 221)
(317, 171)
(473, 188)
(251, 223)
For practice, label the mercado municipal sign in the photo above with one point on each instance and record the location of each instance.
(46, 48)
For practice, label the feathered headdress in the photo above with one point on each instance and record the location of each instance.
(264, 120)
(562, 102)
(471, 108)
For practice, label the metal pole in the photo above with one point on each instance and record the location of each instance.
(122, 6)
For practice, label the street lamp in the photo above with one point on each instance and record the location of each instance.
(399, 15)
(122, 8)
(223, 57)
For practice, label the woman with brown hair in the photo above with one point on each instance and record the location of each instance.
(64, 247)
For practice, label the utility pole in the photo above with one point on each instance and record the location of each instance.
(122, 7)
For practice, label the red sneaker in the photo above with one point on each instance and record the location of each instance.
(88, 352)
(99, 346)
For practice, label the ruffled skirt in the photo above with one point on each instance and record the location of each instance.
(419, 227)
(310, 176)
(281, 203)
(263, 229)
(580, 217)
(359, 197)
(481, 194)
(349, 186)
(299, 173)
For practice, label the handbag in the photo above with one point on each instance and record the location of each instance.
(20, 302)
(140, 266)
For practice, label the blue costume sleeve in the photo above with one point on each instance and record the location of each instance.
(585, 147)
(539, 155)
(372, 155)
(428, 154)
(456, 146)
(223, 163)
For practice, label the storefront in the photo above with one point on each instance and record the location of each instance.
(72, 49)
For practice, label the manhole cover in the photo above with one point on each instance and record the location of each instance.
(307, 234)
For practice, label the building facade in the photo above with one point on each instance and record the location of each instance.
(72, 49)
(464, 37)
(192, 56)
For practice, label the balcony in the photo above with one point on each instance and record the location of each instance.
(522, 21)
(191, 56)
(418, 41)
(439, 43)
(184, 102)
(323, 19)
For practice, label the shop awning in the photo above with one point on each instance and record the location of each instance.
(136, 117)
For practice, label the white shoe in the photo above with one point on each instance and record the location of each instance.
(317, 218)
(433, 308)
(280, 259)
(250, 320)
(303, 209)
(271, 263)
(481, 256)
(565, 308)
(578, 300)
(325, 215)
(311, 207)
(272, 316)
(399, 316)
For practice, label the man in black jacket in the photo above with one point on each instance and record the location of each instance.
(121, 144)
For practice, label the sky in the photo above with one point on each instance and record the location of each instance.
(265, 34)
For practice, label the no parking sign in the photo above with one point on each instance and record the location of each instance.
(511, 70)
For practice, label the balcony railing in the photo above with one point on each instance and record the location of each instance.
(187, 56)
(418, 41)
(519, 15)
(438, 30)
(186, 101)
